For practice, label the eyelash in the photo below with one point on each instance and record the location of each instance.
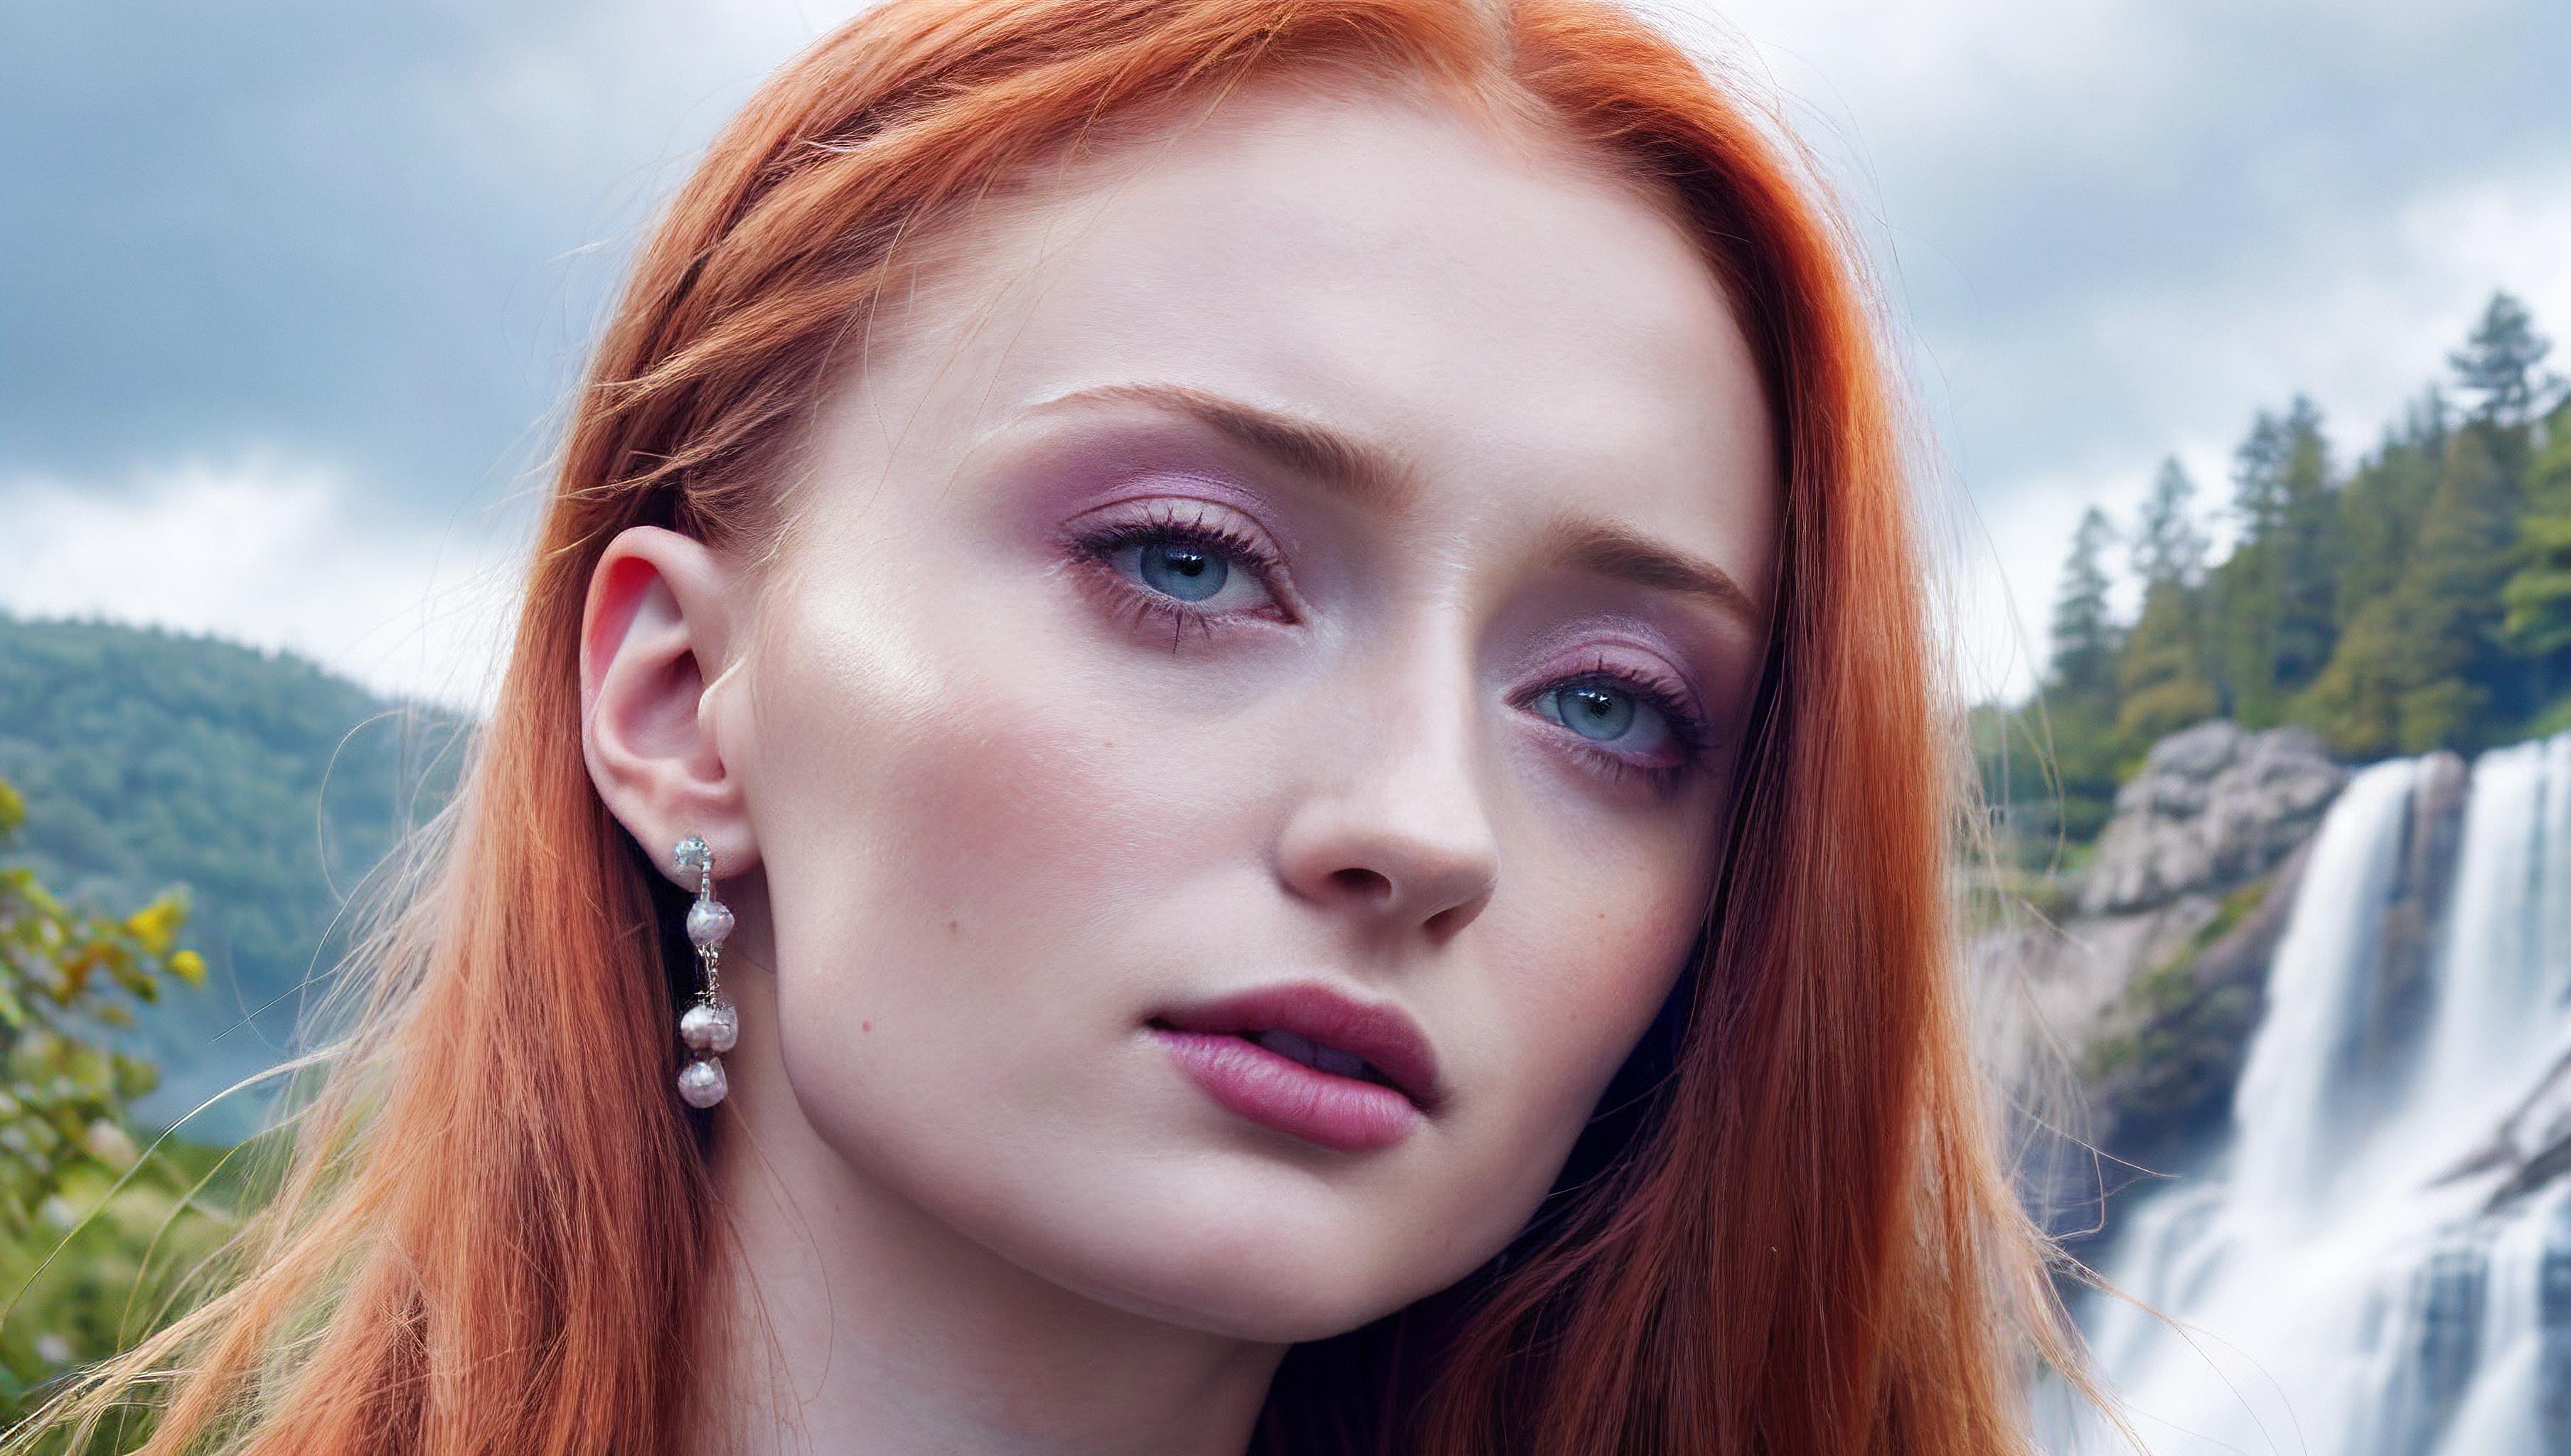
(1163, 526)
(1663, 695)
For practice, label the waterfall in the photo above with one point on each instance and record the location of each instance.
(2288, 1155)
(2507, 960)
(2357, 1275)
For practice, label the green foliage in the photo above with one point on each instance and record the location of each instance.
(2277, 596)
(2537, 599)
(2048, 777)
(2306, 546)
(2419, 666)
(2448, 602)
(263, 785)
(2358, 704)
(2162, 672)
(2422, 600)
(108, 1266)
(2382, 503)
(65, 974)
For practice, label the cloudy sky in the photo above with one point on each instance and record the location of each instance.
(290, 291)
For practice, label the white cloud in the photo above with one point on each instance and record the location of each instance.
(276, 553)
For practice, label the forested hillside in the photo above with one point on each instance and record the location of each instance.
(256, 783)
(2416, 598)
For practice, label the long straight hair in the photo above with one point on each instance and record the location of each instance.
(1788, 1232)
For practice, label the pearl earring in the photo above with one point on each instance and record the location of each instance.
(710, 1026)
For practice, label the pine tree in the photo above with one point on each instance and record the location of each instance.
(2079, 700)
(2276, 598)
(2381, 505)
(2306, 559)
(2168, 543)
(2245, 587)
(2084, 638)
(2257, 477)
(2498, 362)
(2161, 679)
(2448, 609)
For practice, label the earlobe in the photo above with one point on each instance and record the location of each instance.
(657, 632)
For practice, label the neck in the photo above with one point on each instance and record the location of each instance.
(861, 1326)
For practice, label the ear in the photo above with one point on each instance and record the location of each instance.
(658, 628)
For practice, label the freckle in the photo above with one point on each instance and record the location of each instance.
(952, 926)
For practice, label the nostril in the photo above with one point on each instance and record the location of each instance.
(1364, 881)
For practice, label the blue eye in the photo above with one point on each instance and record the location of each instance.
(1606, 713)
(1200, 569)
(1184, 571)
(1626, 723)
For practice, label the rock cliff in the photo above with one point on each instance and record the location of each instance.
(2119, 1032)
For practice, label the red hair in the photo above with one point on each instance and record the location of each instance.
(1787, 1234)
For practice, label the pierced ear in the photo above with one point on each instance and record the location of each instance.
(655, 630)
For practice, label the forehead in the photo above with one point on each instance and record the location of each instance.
(1527, 332)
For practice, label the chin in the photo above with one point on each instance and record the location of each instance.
(1246, 1259)
(1266, 1301)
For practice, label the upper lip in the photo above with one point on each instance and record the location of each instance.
(1384, 1035)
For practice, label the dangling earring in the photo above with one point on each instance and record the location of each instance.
(710, 1026)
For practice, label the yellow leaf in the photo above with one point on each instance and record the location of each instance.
(155, 923)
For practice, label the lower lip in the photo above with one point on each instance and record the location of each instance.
(1281, 1093)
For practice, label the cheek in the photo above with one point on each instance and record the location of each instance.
(927, 809)
(964, 829)
(1567, 983)
(1594, 955)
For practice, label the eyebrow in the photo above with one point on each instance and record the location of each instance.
(1375, 477)
(1605, 549)
(1370, 475)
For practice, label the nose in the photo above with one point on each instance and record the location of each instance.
(1396, 829)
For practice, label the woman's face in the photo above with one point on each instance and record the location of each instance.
(1237, 738)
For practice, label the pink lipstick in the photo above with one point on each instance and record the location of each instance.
(1307, 1062)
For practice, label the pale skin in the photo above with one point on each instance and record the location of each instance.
(983, 806)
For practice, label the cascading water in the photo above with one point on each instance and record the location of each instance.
(2339, 1288)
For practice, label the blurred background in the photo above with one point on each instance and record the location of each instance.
(2253, 496)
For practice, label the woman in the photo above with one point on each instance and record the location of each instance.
(1275, 651)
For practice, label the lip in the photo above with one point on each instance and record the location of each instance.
(1209, 1042)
